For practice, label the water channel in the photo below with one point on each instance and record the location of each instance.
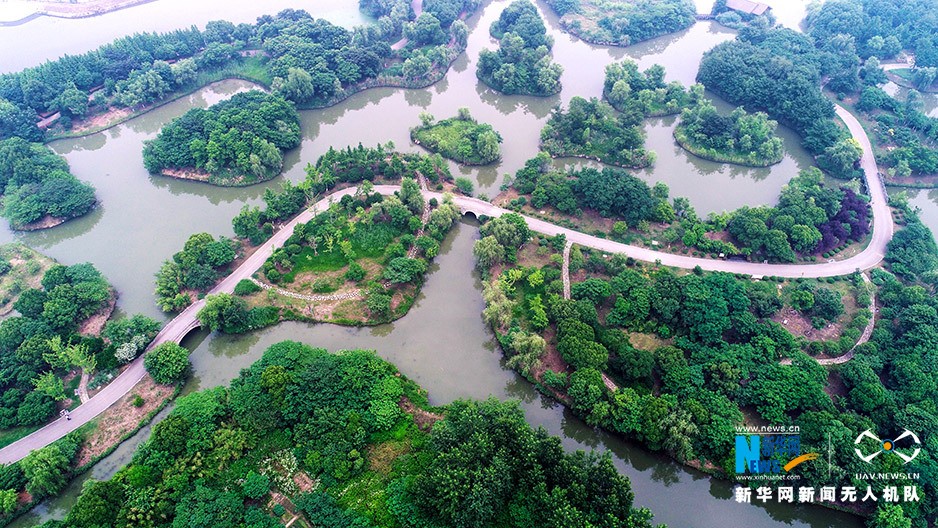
(143, 220)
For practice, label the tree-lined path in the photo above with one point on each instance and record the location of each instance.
(187, 321)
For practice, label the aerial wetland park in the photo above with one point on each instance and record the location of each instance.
(468, 263)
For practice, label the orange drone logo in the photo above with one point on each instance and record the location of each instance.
(888, 446)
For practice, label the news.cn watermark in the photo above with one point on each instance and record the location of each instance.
(772, 453)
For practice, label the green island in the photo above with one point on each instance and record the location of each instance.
(332, 267)
(623, 23)
(627, 89)
(239, 141)
(459, 138)
(37, 188)
(741, 138)
(592, 129)
(522, 64)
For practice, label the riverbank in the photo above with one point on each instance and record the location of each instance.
(16, 12)
(230, 179)
(246, 71)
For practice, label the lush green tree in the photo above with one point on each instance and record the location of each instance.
(98, 505)
(46, 470)
(403, 269)
(36, 183)
(207, 508)
(167, 363)
(593, 129)
(244, 135)
(522, 63)
(297, 87)
(256, 485)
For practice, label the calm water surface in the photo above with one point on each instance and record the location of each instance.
(144, 219)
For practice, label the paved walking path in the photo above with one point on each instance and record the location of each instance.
(186, 321)
(417, 6)
(354, 294)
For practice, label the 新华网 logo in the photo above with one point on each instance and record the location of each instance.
(760, 454)
(888, 446)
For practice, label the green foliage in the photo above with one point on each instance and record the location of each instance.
(256, 486)
(245, 135)
(629, 90)
(196, 268)
(522, 64)
(624, 23)
(167, 363)
(743, 73)
(465, 186)
(32, 345)
(47, 469)
(246, 287)
(460, 138)
(36, 183)
(523, 473)
(355, 272)
(593, 129)
(403, 269)
(744, 138)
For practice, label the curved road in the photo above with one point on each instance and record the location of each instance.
(186, 321)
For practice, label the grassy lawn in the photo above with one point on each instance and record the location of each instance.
(905, 73)
(309, 260)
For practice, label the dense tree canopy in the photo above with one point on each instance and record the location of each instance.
(301, 413)
(195, 268)
(738, 138)
(36, 183)
(167, 363)
(593, 129)
(747, 72)
(243, 136)
(522, 63)
(627, 90)
(48, 318)
(623, 23)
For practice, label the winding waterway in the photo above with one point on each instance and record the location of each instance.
(143, 219)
